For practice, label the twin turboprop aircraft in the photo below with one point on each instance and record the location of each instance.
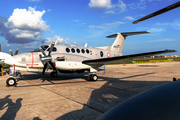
(74, 59)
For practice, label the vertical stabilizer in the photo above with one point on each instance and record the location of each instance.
(118, 43)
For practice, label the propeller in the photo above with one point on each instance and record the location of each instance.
(47, 58)
(16, 52)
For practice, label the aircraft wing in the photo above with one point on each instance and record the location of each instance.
(125, 57)
(168, 8)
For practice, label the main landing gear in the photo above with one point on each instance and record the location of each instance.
(53, 74)
(93, 77)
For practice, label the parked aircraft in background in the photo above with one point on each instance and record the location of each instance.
(74, 59)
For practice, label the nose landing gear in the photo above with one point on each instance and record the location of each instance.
(11, 82)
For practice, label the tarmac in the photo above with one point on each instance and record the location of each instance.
(73, 97)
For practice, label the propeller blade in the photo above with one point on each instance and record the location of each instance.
(11, 52)
(40, 48)
(54, 68)
(45, 66)
(16, 52)
(170, 7)
(51, 48)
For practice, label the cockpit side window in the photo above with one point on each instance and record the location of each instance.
(44, 47)
(54, 49)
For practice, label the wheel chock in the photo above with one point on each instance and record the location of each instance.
(174, 79)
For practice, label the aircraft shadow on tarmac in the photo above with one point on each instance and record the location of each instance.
(66, 77)
(12, 108)
(110, 94)
(113, 92)
(51, 80)
(47, 77)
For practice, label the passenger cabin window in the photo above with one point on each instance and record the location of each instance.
(67, 50)
(73, 50)
(78, 51)
(101, 54)
(54, 49)
(82, 50)
(87, 51)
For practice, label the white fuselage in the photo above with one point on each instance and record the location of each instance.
(64, 57)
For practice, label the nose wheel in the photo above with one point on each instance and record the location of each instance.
(93, 77)
(11, 82)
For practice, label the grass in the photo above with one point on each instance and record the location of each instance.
(4, 66)
(122, 62)
(141, 61)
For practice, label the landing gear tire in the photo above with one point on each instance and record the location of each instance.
(93, 77)
(53, 74)
(11, 82)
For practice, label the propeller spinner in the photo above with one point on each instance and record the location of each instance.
(47, 58)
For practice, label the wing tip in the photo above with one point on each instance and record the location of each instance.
(170, 50)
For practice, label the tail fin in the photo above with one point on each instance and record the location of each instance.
(118, 43)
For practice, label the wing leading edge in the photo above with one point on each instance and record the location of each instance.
(125, 57)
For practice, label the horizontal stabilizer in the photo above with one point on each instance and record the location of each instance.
(125, 57)
(127, 34)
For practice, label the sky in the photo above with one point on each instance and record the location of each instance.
(28, 24)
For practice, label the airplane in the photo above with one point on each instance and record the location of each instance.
(74, 59)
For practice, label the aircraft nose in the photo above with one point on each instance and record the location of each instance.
(3, 56)
(10, 60)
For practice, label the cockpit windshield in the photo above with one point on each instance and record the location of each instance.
(44, 47)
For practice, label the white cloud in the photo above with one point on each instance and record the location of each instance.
(99, 27)
(128, 18)
(113, 24)
(34, 0)
(110, 12)
(156, 30)
(23, 19)
(175, 24)
(100, 4)
(58, 39)
(107, 6)
(162, 40)
(151, 30)
(163, 23)
(76, 20)
(121, 5)
(7, 44)
(140, 4)
(107, 25)
(137, 5)
(24, 26)
(74, 44)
